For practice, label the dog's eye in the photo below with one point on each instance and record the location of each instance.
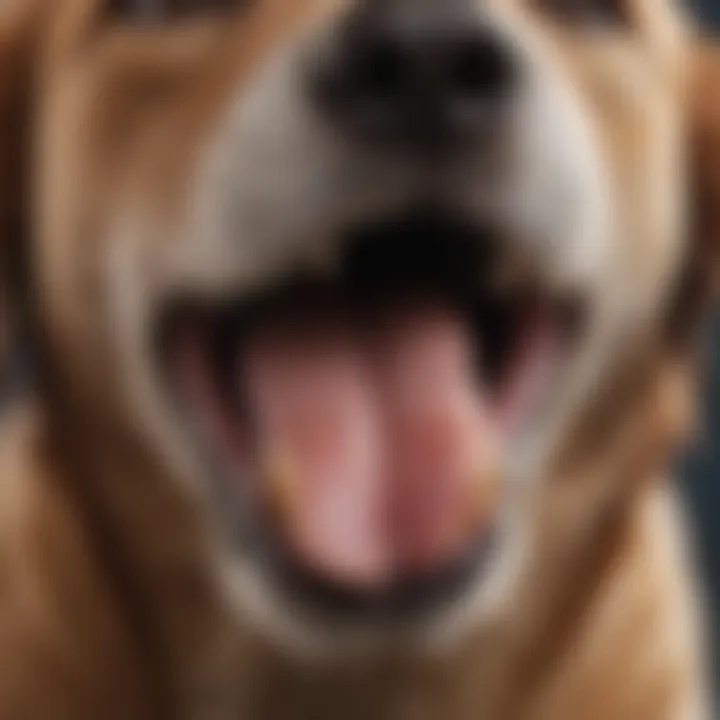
(600, 13)
(154, 11)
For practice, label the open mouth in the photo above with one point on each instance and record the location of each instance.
(356, 426)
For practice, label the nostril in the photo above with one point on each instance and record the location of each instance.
(480, 69)
(365, 78)
(433, 82)
(380, 70)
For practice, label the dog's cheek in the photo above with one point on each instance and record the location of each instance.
(19, 20)
(705, 129)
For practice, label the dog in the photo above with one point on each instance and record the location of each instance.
(363, 334)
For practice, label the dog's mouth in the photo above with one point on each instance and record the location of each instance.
(356, 425)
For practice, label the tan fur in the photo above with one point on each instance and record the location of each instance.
(109, 600)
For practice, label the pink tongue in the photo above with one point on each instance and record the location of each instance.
(439, 435)
(317, 416)
(375, 452)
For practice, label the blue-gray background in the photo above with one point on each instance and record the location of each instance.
(701, 477)
(710, 10)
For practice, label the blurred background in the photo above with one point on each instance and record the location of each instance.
(700, 474)
(709, 11)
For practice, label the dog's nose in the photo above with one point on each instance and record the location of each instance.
(433, 76)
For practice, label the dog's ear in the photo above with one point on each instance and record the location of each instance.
(19, 22)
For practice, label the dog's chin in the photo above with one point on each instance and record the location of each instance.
(354, 427)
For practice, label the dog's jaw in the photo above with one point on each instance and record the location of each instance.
(273, 183)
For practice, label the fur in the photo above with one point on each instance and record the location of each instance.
(119, 595)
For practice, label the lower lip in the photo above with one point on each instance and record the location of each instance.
(405, 600)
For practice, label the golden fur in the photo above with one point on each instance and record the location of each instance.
(110, 604)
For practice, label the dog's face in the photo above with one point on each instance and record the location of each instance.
(351, 271)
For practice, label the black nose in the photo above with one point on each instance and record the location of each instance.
(433, 76)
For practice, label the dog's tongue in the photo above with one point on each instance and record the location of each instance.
(376, 451)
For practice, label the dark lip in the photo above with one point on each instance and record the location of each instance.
(371, 269)
(407, 599)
